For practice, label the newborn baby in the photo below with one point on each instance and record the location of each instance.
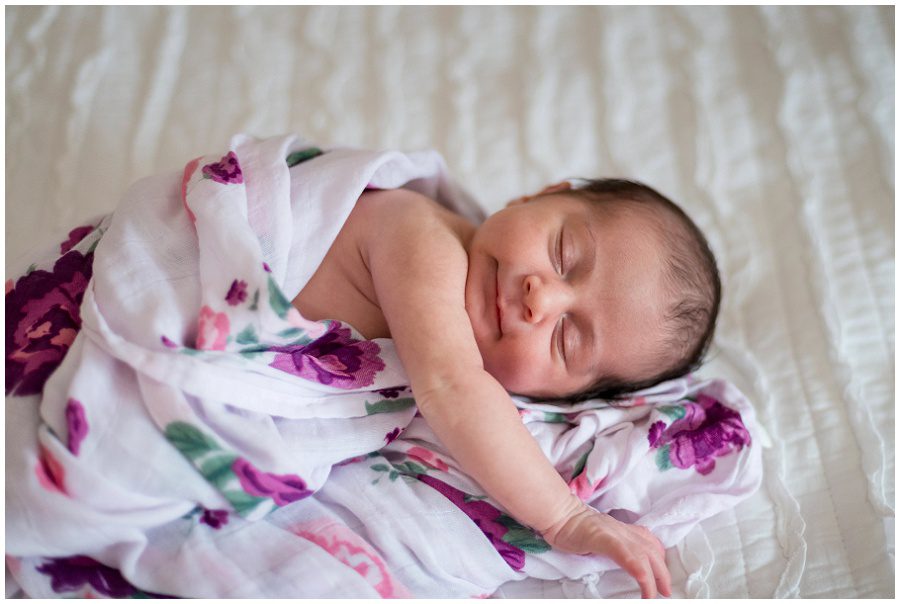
(572, 293)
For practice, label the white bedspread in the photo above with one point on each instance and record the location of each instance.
(773, 126)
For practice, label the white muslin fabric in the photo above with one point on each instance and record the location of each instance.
(200, 438)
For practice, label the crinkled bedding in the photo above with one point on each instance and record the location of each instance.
(773, 126)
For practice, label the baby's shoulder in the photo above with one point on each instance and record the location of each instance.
(405, 206)
(414, 218)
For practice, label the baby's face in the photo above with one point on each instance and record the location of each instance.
(560, 294)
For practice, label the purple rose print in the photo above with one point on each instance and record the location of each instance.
(485, 516)
(282, 488)
(391, 392)
(42, 318)
(237, 293)
(334, 359)
(71, 574)
(655, 433)
(214, 518)
(77, 423)
(708, 430)
(225, 171)
(75, 236)
(392, 435)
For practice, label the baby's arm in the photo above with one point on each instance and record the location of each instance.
(418, 267)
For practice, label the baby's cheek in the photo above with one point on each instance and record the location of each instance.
(514, 370)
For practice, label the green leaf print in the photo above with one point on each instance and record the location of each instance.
(277, 301)
(521, 536)
(218, 470)
(242, 502)
(673, 411)
(388, 405)
(410, 467)
(247, 336)
(299, 335)
(291, 332)
(189, 440)
(554, 418)
(579, 467)
(527, 541)
(253, 305)
(298, 157)
(662, 458)
(94, 245)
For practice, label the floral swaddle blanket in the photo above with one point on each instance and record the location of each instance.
(176, 428)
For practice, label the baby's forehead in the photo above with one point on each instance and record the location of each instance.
(623, 209)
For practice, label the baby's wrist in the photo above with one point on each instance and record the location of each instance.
(572, 508)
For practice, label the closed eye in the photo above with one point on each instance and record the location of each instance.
(561, 341)
(559, 254)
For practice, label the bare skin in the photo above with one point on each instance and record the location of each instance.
(406, 268)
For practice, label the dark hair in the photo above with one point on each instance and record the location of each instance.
(691, 272)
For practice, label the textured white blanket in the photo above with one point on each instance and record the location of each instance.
(202, 439)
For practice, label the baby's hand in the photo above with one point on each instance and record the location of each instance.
(634, 548)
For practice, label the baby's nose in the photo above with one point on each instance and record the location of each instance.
(542, 298)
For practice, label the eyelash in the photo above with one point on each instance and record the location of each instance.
(561, 331)
(561, 338)
(559, 250)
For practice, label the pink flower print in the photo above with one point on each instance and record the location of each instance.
(50, 472)
(335, 359)
(42, 318)
(167, 342)
(225, 171)
(281, 488)
(77, 424)
(237, 293)
(313, 329)
(582, 488)
(353, 551)
(189, 170)
(213, 329)
(75, 236)
(356, 459)
(428, 458)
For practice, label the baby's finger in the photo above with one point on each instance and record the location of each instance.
(646, 580)
(663, 577)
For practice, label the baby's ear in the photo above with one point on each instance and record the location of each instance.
(560, 186)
